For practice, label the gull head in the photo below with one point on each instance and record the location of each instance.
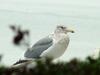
(63, 29)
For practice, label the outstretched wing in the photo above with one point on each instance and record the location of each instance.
(39, 47)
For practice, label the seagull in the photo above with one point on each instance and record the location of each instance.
(52, 46)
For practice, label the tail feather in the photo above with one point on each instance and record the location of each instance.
(20, 61)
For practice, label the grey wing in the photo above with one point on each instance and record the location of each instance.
(39, 47)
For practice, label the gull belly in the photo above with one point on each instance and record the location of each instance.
(57, 49)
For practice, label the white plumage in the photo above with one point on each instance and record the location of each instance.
(60, 43)
(53, 45)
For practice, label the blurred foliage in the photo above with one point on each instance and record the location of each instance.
(19, 34)
(89, 66)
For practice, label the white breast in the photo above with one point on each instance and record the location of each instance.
(58, 48)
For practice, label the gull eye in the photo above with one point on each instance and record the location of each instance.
(62, 27)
